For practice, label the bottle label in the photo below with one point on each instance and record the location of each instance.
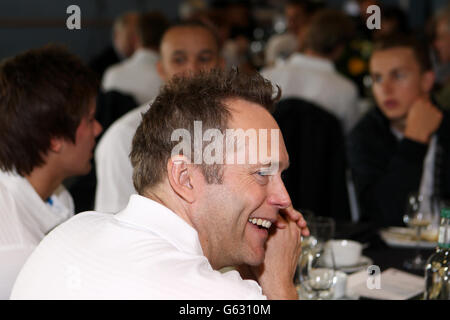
(444, 237)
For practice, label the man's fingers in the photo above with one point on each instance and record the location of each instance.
(294, 215)
(305, 232)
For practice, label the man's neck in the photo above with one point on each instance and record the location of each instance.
(170, 201)
(44, 181)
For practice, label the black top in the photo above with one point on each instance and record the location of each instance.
(102, 61)
(314, 140)
(386, 170)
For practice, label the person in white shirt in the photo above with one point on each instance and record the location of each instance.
(311, 75)
(47, 134)
(190, 219)
(280, 46)
(137, 75)
(186, 47)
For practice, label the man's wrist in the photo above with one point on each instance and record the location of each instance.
(415, 135)
(287, 292)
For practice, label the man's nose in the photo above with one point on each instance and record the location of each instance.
(98, 128)
(386, 86)
(278, 194)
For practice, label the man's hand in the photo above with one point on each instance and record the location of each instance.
(295, 216)
(422, 121)
(283, 248)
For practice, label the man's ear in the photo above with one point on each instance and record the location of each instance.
(180, 177)
(56, 145)
(428, 79)
(161, 71)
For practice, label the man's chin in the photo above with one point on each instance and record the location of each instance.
(256, 259)
(395, 115)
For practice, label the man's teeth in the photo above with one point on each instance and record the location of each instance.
(261, 222)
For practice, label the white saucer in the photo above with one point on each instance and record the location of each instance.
(363, 263)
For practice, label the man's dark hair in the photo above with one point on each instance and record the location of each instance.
(151, 27)
(44, 94)
(420, 50)
(182, 101)
(329, 29)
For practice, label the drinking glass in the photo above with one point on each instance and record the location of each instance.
(418, 215)
(316, 281)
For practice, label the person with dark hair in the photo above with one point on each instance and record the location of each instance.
(191, 218)
(311, 74)
(185, 48)
(441, 46)
(137, 76)
(47, 134)
(124, 43)
(403, 145)
(297, 14)
(394, 21)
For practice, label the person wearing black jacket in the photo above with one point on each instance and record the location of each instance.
(388, 148)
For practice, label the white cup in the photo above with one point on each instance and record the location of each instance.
(346, 253)
(340, 285)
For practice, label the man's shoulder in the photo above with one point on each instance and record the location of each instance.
(345, 84)
(8, 203)
(113, 71)
(371, 126)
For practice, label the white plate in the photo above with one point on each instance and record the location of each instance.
(363, 263)
(403, 238)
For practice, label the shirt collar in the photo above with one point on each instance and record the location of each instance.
(46, 216)
(312, 62)
(147, 214)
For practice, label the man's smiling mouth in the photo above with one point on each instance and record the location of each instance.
(260, 222)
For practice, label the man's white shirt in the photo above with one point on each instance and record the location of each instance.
(113, 166)
(136, 76)
(24, 221)
(145, 251)
(316, 80)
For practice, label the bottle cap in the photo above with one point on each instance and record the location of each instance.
(445, 213)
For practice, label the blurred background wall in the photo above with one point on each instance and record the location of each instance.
(26, 24)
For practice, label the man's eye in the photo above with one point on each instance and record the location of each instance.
(178, 60)
(376, 79)
(399, 75)
(205, 59)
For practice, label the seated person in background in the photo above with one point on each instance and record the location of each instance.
(311, 75)
(403, 146)
(187, 47)
(191, 218)
(137, 75)
(47, 134)
(441, 45)
(124, 43)
(281, 46)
